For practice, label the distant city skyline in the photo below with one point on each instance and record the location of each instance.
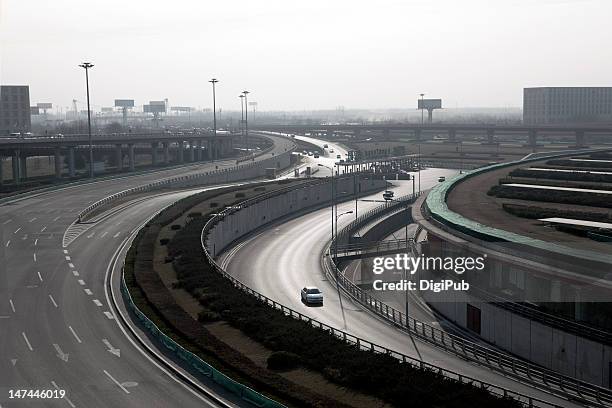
(304, 56)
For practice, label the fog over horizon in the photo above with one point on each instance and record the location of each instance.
(304, 55)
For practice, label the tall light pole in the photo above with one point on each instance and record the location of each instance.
(246, 119)
(332, 198)
(88, 65)
(241, 96)
(213, 82)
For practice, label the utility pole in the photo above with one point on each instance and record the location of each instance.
(87, 66)
(246, 119)
(213, 82)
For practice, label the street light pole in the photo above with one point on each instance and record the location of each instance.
(213, 82)
(246, 118)
(88, 65)
(332, 200)
(241, 96)
(422, 107)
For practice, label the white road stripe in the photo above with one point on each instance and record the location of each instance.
(81, 282)
(75, 273)
(7, 221)
(17, 230)
(74, 334)
(109, 315)
(56, 218)
(36, 242)
(117, 234)
(34, 256)
(71, 265)
(67, 258)
(12, 305)
(116, 382)
(65, 397)
(103, 234)
(8, 243)
(53, 300)
(27, 341)
(43, 229)
(39, 276)
(65, 251)
(33, 219)
(88, 291)
(97, 303)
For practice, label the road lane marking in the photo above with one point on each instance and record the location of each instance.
(12, 305)
(60, 353)
(67, 258)
(117, 234)
(65, 396)
(109, 315)
(33, 219)
(8, 243)
(34, 256)
(111, 349)
(71, 265)
(97, 303)
(17, 230)
(43, 229)
(91, 235)
(56, 218)
(53, 301)
(5, 317)
(27, 341)
(81, 282)
(36, 242)
(89, 292)
(103, 234)
(7, 221)
(116, 382)
(39, 276)
(74, 334)
(75, 273)
(24, 237)
(65, 251)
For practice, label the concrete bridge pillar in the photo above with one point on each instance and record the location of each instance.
(181, 151)
(198, 150)
(533, 138)
(119, 157)
(154, 152)
(580, 139)
(192, 150)
(417, 134)
(490, 136)
(166, 152)
(452, 135)
(58, 162)
(16, 167)
(132, 163)
(23, 171)
(71, 162)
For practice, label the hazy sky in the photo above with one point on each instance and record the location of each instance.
(313, 54)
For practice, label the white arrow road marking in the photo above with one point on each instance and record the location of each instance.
(13, 361)
(53, 301)
(65, 397)
(27, 341)
(111, 349)
(74, 334)
(116, 382)
(60, 354)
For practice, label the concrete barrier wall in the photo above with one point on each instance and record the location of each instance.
(553, 348)
(250, 218)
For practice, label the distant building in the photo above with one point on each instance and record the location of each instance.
(557, 105)
(14, 109)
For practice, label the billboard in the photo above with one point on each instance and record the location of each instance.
(181, 108)
(124, 103)
(430, 104)
(44, 105)
(152, 108)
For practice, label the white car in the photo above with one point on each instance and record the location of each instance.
(312, 295)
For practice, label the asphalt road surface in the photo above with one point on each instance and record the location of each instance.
(285, 257)
(57, 329)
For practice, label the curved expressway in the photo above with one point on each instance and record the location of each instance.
(285, 257)
(57, 329)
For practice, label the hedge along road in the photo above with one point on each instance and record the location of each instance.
(285, 257)
(57, 328)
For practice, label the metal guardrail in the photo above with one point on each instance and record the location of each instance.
(377, 246)
(172, 180)
(195, 362)
(519, 369)
(384, 310)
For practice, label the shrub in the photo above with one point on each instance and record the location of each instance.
(283, 361)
